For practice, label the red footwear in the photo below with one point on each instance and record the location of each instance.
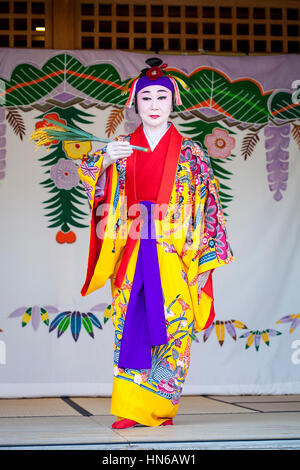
(168, 422)
(124, 423)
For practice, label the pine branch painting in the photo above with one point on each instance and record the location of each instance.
(16, 122)
(249, 143)
(296, 133)
(116, 116)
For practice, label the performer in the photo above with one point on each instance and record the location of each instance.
(157, 232)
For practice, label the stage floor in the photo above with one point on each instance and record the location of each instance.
(203, 422)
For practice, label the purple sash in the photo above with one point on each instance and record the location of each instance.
(144, 325)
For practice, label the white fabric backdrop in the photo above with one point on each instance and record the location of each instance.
(258, 289)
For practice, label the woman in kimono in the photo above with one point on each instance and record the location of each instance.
(157, 232)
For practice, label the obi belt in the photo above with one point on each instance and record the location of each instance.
(145, 324)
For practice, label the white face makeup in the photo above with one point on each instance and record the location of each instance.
(154, 106)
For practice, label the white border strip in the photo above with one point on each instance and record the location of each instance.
(30, 390)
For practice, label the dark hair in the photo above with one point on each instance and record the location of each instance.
(152, 62)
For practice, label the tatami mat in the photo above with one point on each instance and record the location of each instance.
(94, 405)
(273, 407)
(213, 427)
(35, 407)
(197, 405)
(201, 419)
(55, 430)
(256, 398)
(188, 405)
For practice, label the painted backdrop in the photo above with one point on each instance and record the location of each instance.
(246, 112)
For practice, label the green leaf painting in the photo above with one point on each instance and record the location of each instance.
(214, 104)
(242, 100)
(63, 205)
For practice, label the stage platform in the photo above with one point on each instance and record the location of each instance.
(203, 422)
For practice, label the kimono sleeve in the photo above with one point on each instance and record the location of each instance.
(89, 172)
(215, 248)
(103, 249)
(210, 248)
(89, 169)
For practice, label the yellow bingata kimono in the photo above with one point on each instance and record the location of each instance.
(191, 242)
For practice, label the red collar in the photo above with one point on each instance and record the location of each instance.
(169, 172)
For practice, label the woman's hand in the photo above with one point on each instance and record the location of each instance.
(115, 151)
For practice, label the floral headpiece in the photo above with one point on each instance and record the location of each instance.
(154, 75)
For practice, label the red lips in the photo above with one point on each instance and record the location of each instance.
(154, 116)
